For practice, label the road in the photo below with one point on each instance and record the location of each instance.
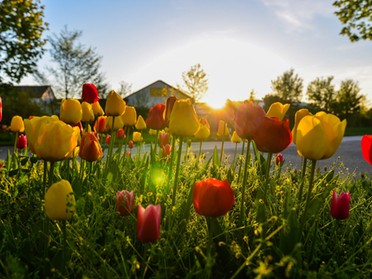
(347, 159)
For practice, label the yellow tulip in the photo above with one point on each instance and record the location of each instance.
(301, 113)
(204, 130)
(115, 105)
(183, 119)
(277, 110)
(117, 124)
(319, 135)
(129, 116)
(17, 124)
(222, 131)
(137, 137)
(51, 139)
(60, 201)
(153, 132)
(97, 109)
(71, 111)
(141, 123)
(88, 114)
(235, 138)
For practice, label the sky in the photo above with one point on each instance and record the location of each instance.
(242, 45)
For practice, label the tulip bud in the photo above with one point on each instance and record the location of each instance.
(235, 138)
(60, 201)
(340, 205)
(17, 125)
(137, 137)
(277, 110)
(100, 125)
(120, 134)
(140, 124)
(222, 131)
(21, 142)
(163, 138)
(115, 105)
(90, 149)
(279, 159)
(97, 109)
(204, 130)
(247, 119)
(88, 114)
(124, 202)
(155, 119)
(129, 116)
(183, 119)
(130, 144)
(166, 150)
(90, 93)
(148, 223)
(366, 144)
(71, 111)
(108, 139)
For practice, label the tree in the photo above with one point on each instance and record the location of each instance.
(348, 99)
(195, 82)
(288, 87)
(321, 92)
(75, 64)
(125, 89)
(21, 42)
(356, 17)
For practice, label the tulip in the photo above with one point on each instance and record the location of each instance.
(148, 223)
(235, 138)
(247, 119)
(212, 197)
(273, 135)
(204, 130)
(366, 144)
(90, 93)
(71, 111)
(222, 130)
(17, 124)
(163, 138)
(319, 135)
(88, 114)
(120, 134)
(152, 132)
(51, 139)
(140, 124)
(118, 123)
(279, 159)
(168, 108)
(130, 144)
(340, 205)
(97, 109)
(1, 109)
(100, 124)
(155, 119)
(108, 139)
(21, 142)
(277, 110)
(90, 149)
(115, 105)
(301, 113)
(124, 202)
(129, 116)
(60, 201)
(183, 119)
(137, 137)
(166, 150)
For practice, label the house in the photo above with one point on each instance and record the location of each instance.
(155, 93)
(42, 95)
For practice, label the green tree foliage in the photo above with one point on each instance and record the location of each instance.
(288, 87)
(75, 64)
(348, 99)
(321, 93)
(356, 17)
(195, 82)
(21, 42)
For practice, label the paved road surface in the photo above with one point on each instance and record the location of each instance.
(349, 155)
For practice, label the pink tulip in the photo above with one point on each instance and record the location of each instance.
(124, 202)
(340, 205)
(148, 223)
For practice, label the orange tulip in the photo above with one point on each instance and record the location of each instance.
(212, 197)
(90, 149)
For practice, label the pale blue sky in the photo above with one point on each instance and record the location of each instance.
(241, 44)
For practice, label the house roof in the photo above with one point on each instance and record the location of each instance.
(168, 85)
(34, 91)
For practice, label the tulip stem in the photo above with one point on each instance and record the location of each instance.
(235, 150)
(200, 148)
(311, 184)
(302, 179)
(64, 243)
(240, 165)
(171, 161)
(177, 172)
(222, 149)
(247, 159)
(111, 145)
(268, 165)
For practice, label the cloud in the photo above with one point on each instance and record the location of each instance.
(298, 15)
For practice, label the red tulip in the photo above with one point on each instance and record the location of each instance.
(120, 134)
(21, 141)
(247, 119)
(124, 202)
(130, 144)
(148, 223)
(212, 197)
(366, 144)
(90, 93)
(1, 109)
(272, 135)
(168, 108)
(163, 138)
(279, 159)
(108, 139)
(340, 205)
(155, 120)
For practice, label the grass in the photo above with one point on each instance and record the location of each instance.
(277, 238)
